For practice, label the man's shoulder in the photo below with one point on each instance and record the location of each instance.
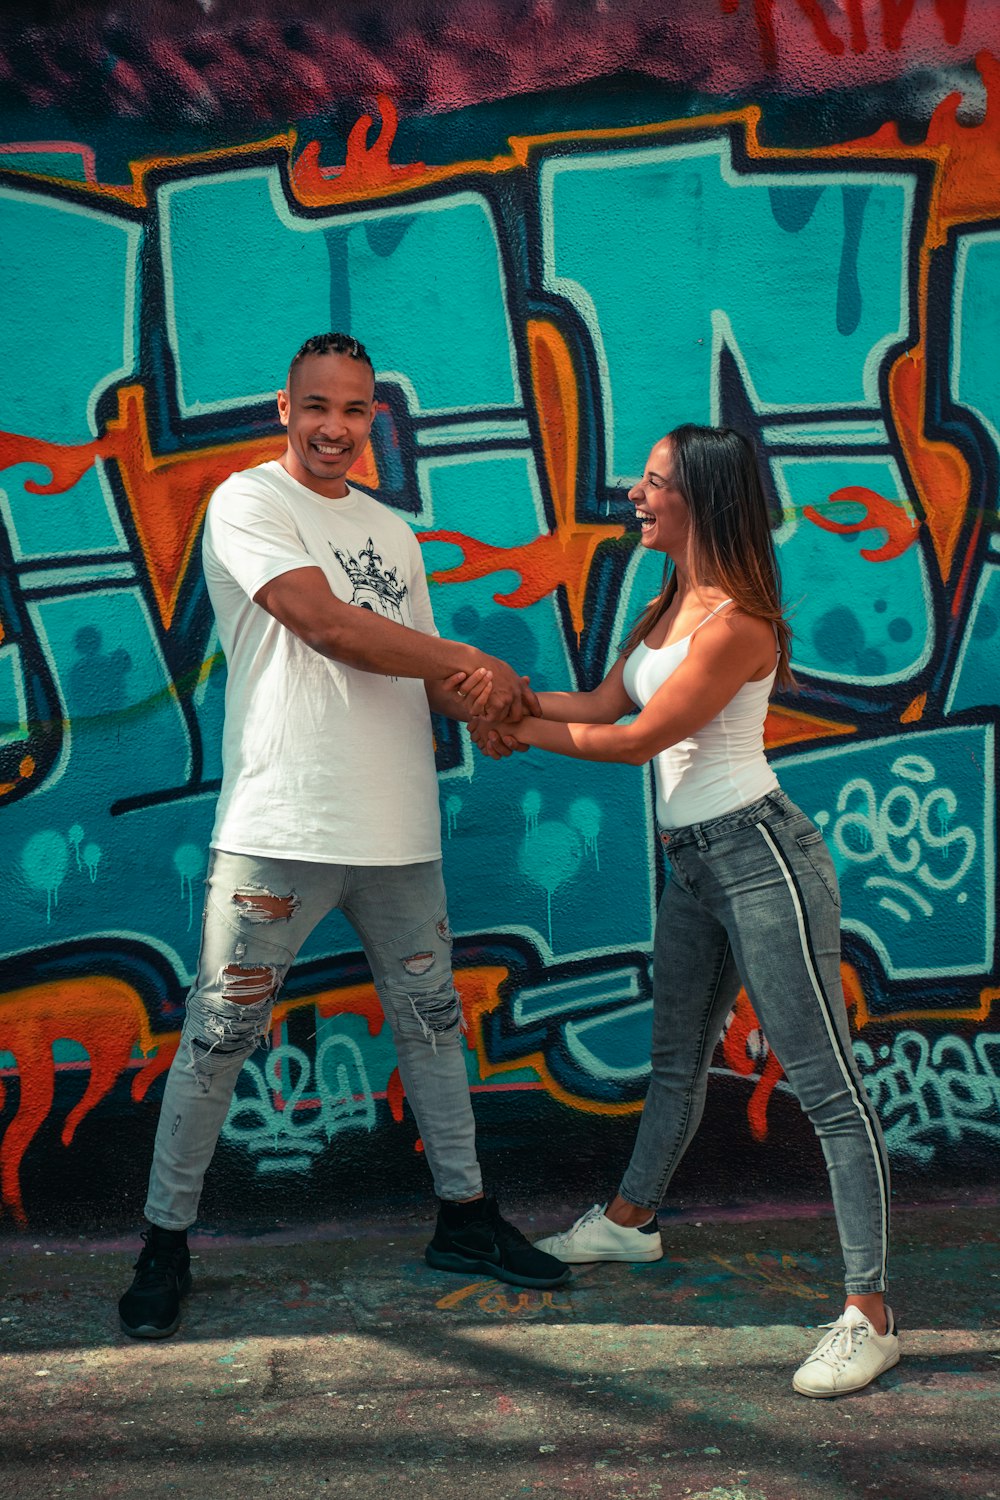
(377, 513)
(261, 481)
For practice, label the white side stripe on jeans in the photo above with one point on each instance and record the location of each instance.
(832, 1031)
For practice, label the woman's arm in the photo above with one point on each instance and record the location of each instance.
(603, 705)
(723, 656)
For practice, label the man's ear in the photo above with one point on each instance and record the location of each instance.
(283, 407)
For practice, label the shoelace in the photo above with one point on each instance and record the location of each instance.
(509, 1233)
(839, 1344)
(590, 1217)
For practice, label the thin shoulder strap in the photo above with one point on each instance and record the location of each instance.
(711, 616)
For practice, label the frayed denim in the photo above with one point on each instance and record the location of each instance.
(258, 913)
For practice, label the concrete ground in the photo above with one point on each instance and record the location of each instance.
(334, 1361)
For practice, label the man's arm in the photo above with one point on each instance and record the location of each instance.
(304, 603)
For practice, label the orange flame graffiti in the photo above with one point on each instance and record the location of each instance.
(563, 556)
(901, 531)
(109, 1019)
(367, 171)
(167, 495)
(104, 1015)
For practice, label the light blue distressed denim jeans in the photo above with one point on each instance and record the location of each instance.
(752, 897)
(258, 913)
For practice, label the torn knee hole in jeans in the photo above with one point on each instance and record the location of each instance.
(418, 963)
(226, 1027)
(248, 984)
(257, 904)
(437, 1013)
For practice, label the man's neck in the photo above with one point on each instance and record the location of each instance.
(332, 489)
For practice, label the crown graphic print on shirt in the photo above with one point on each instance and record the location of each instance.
(380, 591)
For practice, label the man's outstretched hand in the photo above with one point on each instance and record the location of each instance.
(511, 697)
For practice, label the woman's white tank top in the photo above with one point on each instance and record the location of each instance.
(720, 768)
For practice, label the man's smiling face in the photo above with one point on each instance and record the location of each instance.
(327, 406)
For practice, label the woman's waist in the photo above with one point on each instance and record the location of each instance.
(708, 788)
(704, 830)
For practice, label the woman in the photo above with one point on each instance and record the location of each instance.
(752, 896)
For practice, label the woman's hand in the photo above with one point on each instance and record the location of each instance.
(499, 740)
(465, 694)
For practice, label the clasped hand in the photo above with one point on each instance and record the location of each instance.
(496, 740)
(478, 698)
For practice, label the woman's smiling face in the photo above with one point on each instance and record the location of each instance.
(661, 509)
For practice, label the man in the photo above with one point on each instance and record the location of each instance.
(329, 799)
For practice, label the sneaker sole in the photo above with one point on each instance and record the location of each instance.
(149, 1330)
(846, 1390)
(592, 1257)
(443, 1260)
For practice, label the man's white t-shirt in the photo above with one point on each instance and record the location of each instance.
(320, 761)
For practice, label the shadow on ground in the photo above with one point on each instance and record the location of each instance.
(340, 1362)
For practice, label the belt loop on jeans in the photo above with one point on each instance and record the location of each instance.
(699, 836)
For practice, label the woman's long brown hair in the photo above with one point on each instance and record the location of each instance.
(715, 469)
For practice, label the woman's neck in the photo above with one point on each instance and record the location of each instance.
(689, 586)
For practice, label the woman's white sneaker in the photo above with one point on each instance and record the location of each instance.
(849, 1357)
(594, 1237)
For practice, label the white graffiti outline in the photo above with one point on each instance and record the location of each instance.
(342, 1101)
(929, 1095)
(887, 830)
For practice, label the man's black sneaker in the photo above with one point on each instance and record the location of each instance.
(151, 1308)
(473, 1238)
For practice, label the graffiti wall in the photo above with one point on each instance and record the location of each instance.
(787, 218)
